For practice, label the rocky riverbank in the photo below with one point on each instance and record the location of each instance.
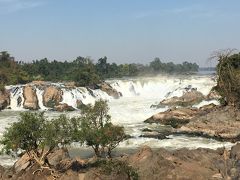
(147, 163)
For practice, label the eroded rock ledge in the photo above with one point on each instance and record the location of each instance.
(221, 123)
(198, 164)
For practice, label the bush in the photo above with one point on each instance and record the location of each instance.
(228, 82)
(35, 135)
(97, 131)
(117, 167)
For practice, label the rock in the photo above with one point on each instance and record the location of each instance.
(30, 98)
(177, 164)
(21, 163)
(158, 132)
(63, 107)
(235, 152)
(4, 99)
(57, 156)
(109, 90)
(52, 96)
(80, 104)
(154, 134)
(70, 84)
(2, 170)
(174, 117)
(142, 155)
(222, 123)
(213, 95)
(72, 175)
(189, 98)
(39, 83)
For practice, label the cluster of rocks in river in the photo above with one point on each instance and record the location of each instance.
(188, 99)
(199, 164)
(218, 122)
(52, 95)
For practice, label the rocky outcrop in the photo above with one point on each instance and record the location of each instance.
(52, 96)
(198, 164)
(213, 95)
(63, 107)
(177, 117)
(109, 90)
(30, 98)
(4, 99)
(189, 98)
(222, 123)
(151, 164)
(174, 117)
(2, 170)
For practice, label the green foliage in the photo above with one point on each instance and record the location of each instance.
(228, 83)
(10, 71)
(97, 131)
(82, 70)
(117, 167)
(36, 136)
(2, 87)
(51, 103)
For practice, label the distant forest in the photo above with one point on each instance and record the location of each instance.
(82, 70)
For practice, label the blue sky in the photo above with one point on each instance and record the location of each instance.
(122, 30)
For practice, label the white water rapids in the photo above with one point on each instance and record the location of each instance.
(130, 110)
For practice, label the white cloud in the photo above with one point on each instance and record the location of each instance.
(9, 6)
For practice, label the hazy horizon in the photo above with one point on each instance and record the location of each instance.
(124, 31)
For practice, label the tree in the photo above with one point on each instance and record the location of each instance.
(102, 67)
(37, 137)
(228, 71)
(97, 131)
(156, 65)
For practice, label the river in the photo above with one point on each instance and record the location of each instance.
(138, 94)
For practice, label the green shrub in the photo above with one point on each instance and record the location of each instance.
(118, 167)
(36, 136)
(97, 131)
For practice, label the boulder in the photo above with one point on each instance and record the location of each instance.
(142, 155)
(235, 152)
(189, 98)
(174, 117)
(57, 156)
(4, 99)
(109, 90)
(52, 96)
(222, 123)
(154, 134)
(158, 132)
(2, 170)
(213, 95)
(39, 83)
(30, 98)
(21, 163)
(80, 104)
(63, 107)
(178, 164)
(70, 84)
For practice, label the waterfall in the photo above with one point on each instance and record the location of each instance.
(154, 88)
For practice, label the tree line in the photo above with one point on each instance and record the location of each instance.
(82, 70)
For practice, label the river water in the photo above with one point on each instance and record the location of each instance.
(138, 94)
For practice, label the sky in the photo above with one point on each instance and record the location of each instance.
(126, 31)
